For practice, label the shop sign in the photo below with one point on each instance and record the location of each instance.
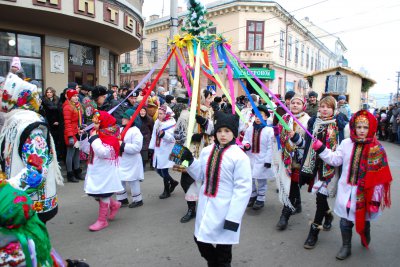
(125, 68)
(262, 73)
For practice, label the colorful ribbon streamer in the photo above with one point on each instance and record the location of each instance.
(267, 90)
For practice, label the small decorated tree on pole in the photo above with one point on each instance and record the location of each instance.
(195, 22)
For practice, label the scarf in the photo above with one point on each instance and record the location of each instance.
(77, 108)
(19, 219)
(256, 138)
(369, 168)
(213, 169)
(325, 130)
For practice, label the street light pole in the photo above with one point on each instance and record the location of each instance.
(173, 31)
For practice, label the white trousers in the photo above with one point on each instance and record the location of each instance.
(135, 191)
(259, 189)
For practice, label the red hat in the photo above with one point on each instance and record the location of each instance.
(106, 120)
(71, 93)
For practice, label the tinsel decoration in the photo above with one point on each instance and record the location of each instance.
(195, 22)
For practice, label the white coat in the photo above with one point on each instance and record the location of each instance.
(130, 163)
(102, 175)
(345, 191)
(257, 160)
(162, 152)
(234, 190)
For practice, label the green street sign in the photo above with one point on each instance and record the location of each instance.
(125, 68)
(262, 73)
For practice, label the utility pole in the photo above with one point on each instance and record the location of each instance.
(173, 30)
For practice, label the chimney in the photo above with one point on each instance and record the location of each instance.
(180, 9)
(154, 17)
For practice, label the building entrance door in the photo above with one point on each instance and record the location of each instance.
(82, 67)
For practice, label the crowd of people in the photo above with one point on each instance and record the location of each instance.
(311, 142)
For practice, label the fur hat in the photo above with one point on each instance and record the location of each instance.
(98, 90)
(16, 62)
(313, 94)
(262, 108)
(71, 93)
(289, 95)
(229, 121)
(86, 87)
(169, 98)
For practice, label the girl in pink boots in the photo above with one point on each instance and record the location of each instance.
(102, 178)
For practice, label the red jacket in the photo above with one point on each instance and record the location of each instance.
(71, 120)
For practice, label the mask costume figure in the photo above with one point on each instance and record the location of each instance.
(292, 143)
(364, 186)
(257, 142)
(28, 158)
(225, 172)
(102, 176)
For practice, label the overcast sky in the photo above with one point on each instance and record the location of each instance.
(367, 28)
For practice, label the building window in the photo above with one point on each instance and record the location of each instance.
(296, 51)
(302, 55)
(212, 30)
(128, 57)
(312, 60)
(255, 35)
(154, 51)
(111, 68)
(289, 48)
(308, 57)
(140, 55)
(282, 44)
(27, 47)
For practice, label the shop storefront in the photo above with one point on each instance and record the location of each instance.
(64, 41)
(262, 73)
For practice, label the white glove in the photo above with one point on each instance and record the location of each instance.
(76, 145)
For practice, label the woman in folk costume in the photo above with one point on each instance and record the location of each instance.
(72, 112)
(315, 172)
(102, 176)
(146, 128)
(28, 158)
(162, 141)
(225, 172)
(257, 142)
(364, 186)
(292, 144)
(130, 161)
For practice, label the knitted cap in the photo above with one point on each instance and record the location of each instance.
(313, 94)
(71, 93)
(16, 62)
(297, 96)
(341, 97)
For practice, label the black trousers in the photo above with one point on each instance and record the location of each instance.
(186, 181)
(294, 193)
(218, 256)
(322, 208)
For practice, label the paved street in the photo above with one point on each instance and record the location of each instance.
(153, 236)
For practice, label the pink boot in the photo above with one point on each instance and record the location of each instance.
(114, 207)
(101, 222)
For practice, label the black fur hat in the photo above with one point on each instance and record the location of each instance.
(229, 121)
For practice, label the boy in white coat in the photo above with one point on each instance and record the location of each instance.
(130, 162)
(257, 143)
(226, 174)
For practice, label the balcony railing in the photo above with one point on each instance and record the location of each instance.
(255, 56)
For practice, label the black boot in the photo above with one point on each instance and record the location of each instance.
(71, 178)
(124, 202)
(328, 221)
(77, 174)
(173, 184)
(258, 205)
(251, 201)
(367, 232)
(136, 204)
(191, 212)
(297, 206)
(284, 219)
(166, 193)
(312, 238)
(345, 250)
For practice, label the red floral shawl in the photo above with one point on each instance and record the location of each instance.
(373, 170)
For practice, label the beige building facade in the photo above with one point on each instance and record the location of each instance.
(262, 33)
(59, 41)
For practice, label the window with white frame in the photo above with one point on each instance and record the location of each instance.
(282, 44)
(302, 55)
(296, 51)
(289, 48)
(308, 58)
(154, 51)
(312, 60)
(128, 57)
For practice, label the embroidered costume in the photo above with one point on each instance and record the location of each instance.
(29, 159)
(364, 186)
